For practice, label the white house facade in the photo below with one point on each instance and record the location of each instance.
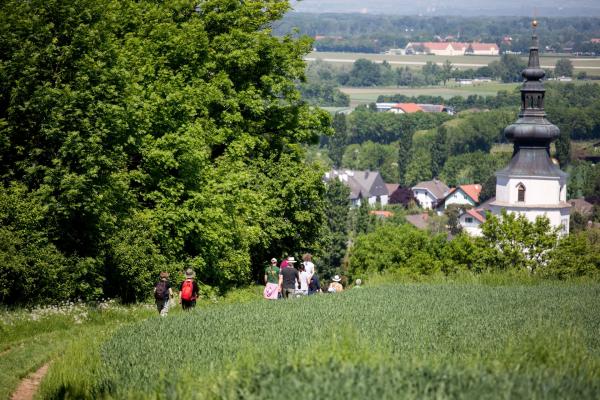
(429, 193)
(471, 221)
(464, 195)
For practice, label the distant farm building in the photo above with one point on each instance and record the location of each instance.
(407, 108)
(452, 48)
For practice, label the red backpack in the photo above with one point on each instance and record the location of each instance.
(187, 290)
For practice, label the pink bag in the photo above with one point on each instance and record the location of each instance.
(271, 291)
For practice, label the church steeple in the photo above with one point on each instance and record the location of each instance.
(532, 133)
(532, 185)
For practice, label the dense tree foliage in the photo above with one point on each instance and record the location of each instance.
(509, 243)
(563, 67)
(139, 136)
(373, 157)
(364, 124)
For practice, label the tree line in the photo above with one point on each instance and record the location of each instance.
(141, 136)
(378, 33)
(508, 244)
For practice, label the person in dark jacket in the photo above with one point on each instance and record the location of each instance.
(314, 286)
(289, 279)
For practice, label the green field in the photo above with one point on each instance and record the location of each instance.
(366, 95)
(589, 65)
(393, 341)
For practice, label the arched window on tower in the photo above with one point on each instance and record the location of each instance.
(521, 193)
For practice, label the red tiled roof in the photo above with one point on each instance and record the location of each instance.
(483, 46)
(476, 215)
(408, 107)
(459, 45)
(472, 190)
(437, 45)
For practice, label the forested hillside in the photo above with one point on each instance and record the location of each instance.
(140, 136)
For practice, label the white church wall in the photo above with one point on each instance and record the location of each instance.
(502, 189)
(556, 216)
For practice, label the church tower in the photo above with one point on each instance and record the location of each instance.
(533, 184)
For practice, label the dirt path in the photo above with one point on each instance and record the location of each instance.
(29, 386)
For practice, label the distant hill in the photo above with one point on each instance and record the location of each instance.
(548, 8)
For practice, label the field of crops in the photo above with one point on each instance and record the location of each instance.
(590, 65)
(366, 95)
(393, 341)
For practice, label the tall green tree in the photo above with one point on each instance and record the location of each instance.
(563, 149)
(339, 140)
(514, 242)
(438, 151)
(157, 135)
(563, 67)
(337, 207)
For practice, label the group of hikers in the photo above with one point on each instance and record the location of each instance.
(287, 280)
(188, 292)
(283, 281)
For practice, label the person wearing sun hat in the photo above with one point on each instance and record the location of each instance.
(289, 278)
(188, 290)
(335, 286)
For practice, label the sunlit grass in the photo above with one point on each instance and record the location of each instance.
(460, 337)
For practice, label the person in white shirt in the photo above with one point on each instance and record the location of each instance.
(308, 264)
(304, 280)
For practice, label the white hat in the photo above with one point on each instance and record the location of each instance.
(273, 260)
(189, 273)
(291, 260)
(336, 278)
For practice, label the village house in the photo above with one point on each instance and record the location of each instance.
(364, 186)
(428, 194)
(470, 220)
(467, 195)
(405, 108)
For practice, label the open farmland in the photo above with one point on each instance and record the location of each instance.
(589, 65)
(397, 341)
(366, 95)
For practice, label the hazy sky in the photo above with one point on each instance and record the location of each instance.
(550, 8)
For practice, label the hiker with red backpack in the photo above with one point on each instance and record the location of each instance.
(163, 294)
(188, 291)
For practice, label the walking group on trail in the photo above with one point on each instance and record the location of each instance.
(287, 280)
(283, 281)
(188, 292)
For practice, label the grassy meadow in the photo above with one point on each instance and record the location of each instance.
(414, 340)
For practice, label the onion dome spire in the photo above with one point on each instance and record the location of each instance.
(532, 133)
(532, 127)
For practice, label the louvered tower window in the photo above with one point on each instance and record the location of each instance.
(520, 193)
